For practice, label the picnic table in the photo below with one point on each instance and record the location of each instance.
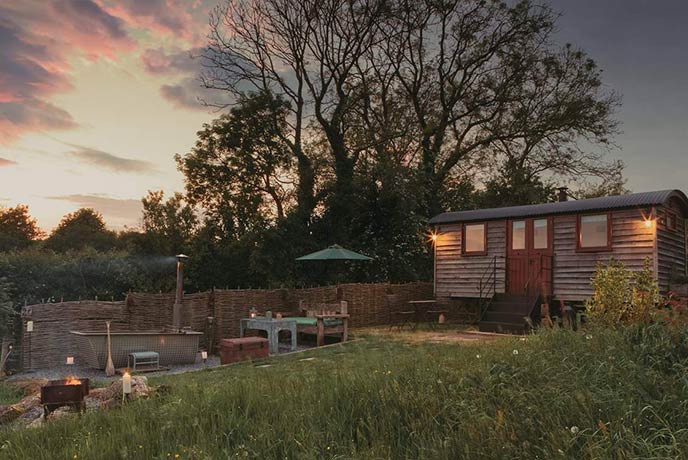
(272, 326)
(420, 311)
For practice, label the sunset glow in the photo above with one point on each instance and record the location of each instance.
(97, 96)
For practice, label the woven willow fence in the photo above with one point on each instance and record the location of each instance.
(215, 313)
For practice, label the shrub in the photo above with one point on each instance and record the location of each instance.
(611, 293)
(621, 296)
(645, 295)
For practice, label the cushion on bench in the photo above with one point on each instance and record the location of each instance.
(304, 321)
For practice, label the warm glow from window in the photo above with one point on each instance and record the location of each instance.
(474, 238)
(594, 231)
(648, 223)
(540, 237)
(518, 235)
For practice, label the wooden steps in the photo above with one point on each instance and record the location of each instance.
(507, 314)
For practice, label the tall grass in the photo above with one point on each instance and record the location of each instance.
(9, 394)
(604, 394)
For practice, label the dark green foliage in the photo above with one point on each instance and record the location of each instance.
(386, 227)
(39, 275)
(238, 170)
(168, 226)
(621, 296)
(7, 311)
(17, 229)
(84, 228)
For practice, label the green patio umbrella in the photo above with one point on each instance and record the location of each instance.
(334, 252)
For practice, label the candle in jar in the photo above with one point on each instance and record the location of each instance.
(126, 383)
(70, 360)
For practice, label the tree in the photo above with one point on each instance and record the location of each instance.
(447, 87)
(308, 53)
(169, 226)
(485, 81)
(513, 186)
(613, 184)
(240, 171)
(80, 229)
(17, 229)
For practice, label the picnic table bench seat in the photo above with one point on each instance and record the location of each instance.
(313, 321)
(144, 358)
(323, 319)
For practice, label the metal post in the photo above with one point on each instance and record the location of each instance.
(179, 295)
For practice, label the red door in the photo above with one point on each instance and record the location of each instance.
(529, 256)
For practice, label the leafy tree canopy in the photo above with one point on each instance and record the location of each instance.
(239, 169)
(17, 229)
(80, 229)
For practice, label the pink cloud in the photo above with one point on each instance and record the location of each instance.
(171, 17)
(31, 115)
(176, 62)
(5, 162)
(37, 39)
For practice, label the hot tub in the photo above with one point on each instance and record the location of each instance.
(173, 347)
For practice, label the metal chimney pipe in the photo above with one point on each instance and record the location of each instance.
(179, 295)
(563, 193)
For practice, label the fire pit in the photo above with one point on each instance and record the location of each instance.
(67, 392)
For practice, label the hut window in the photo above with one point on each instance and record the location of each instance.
(540, 234)
(594, 232)
(518, 235)
(670, 220)
(474, 240)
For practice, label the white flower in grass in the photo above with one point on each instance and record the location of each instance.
(574, 430)
(515, 352)
(477, 356)
(523, 339)
(588, 337)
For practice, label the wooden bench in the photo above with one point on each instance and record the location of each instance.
(323, 319)
(144, 358)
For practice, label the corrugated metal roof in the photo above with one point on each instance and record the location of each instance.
(632, 200)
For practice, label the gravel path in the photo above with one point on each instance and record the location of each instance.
(98, 375)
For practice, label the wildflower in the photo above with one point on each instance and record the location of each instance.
(477, 356)
(574, 430)
(523, 339)
(603, 427)
(588, 337)
(515, 352)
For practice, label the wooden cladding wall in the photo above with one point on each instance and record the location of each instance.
(458, 275)
(632, 242)
(671, 248)
(50, 342)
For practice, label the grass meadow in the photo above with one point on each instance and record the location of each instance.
(600, 394)
(9, 394)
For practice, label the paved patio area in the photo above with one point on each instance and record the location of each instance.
(449, 333)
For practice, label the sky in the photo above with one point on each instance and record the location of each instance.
(96, 96)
